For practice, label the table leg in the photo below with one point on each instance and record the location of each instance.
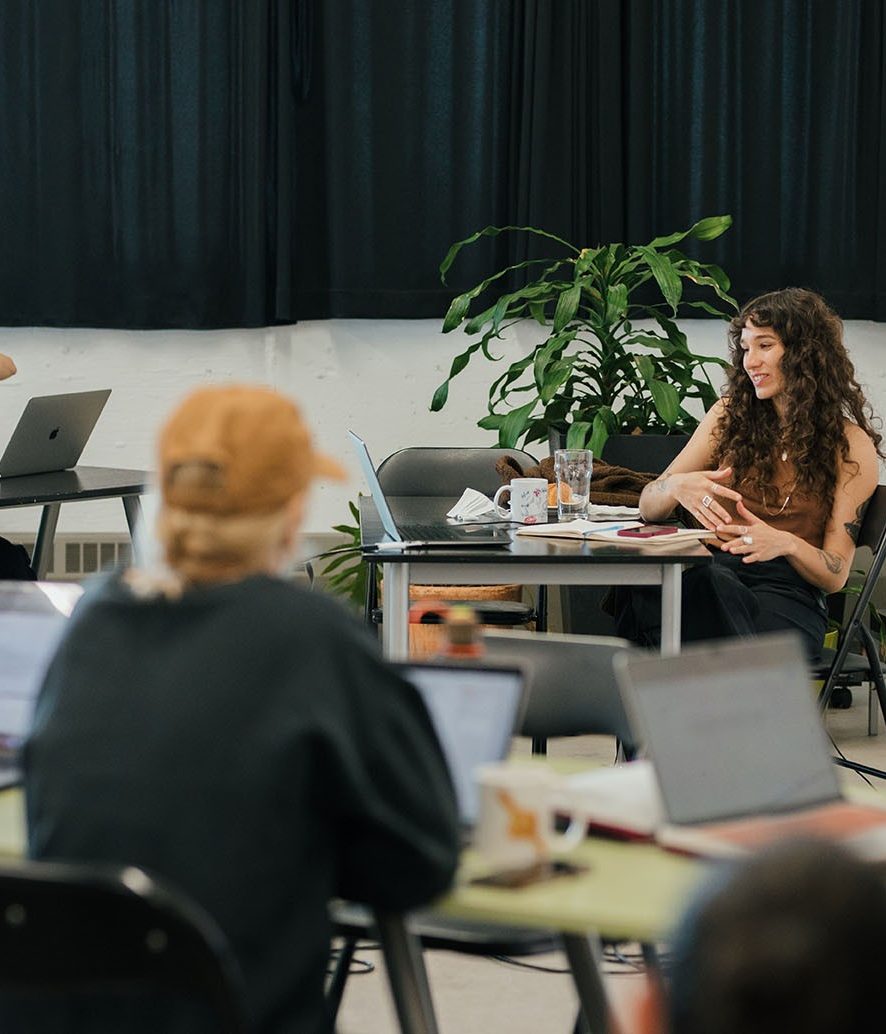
(583, 953)
(406, 974)
(671, 601)
(132, 507)
(395, 627)
(45, 542)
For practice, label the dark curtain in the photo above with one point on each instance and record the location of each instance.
(146, 164)
(197, 163)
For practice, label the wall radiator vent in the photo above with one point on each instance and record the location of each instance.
(78, 555)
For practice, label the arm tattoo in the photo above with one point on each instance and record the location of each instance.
(661, 483)
(854, 527)
(833, 561)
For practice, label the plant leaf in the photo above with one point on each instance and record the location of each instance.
(513, 425)
(567, 306)
(667, 401)
(577, 434)
(665, 275)
(704, 230)
(494, 231)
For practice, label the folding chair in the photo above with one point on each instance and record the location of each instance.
(84, 937)
(445, 471)
(841, 663)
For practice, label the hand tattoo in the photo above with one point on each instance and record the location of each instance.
(854, 527)
(833, 561)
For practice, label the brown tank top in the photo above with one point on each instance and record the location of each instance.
(782, 505)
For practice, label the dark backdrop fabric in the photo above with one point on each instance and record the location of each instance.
(189, 163)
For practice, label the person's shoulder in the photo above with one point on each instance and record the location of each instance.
(861, 446)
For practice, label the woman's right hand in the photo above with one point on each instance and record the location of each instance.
(699, 493)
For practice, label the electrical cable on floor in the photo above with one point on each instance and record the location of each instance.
(848, 762)
(509, 960)
(358, 967)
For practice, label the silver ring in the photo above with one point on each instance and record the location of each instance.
(706, 502)
(747, 540)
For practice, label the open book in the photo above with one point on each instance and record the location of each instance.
(610, 532)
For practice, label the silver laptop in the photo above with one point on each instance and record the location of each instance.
(52, 432)
(738, 748)
(439, 535)
(475, 711)
(32, 618)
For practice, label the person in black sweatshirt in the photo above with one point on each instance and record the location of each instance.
(239, 736)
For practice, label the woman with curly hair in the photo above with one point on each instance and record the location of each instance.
(781, 468)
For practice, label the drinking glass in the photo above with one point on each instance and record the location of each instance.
(573, 469)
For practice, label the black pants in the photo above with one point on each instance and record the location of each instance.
(14, 563)
(728, 598)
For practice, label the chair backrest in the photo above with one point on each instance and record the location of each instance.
(70, 928)
(572, 688)
(872, 535)
(430, 470)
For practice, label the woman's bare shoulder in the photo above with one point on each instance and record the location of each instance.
(859, 441)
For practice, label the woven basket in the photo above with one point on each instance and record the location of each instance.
(427, 640)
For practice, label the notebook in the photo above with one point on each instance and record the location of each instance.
(32, 618)
(475, 710)
(52, 432)
(739, 750)
(425, 536)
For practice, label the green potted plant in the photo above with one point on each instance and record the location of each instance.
(593, 371)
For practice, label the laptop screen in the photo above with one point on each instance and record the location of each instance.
(731, 727)
(32, 618)
(375, 490)
(475, 712)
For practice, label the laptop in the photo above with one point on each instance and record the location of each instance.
(738, 748)
(32, 618)
(52, 432)
(475, 710)
(425, 536)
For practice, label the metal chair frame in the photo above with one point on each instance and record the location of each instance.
(98, 929)
(872, 535)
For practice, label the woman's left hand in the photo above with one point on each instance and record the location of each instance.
(753, 539)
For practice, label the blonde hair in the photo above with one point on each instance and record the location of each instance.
(202, 548)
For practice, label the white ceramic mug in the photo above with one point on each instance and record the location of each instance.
(518, 806)
(529, 500)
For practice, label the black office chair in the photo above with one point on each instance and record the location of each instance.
(88, 937)
(572, 689)
(446, 471)
(843, 665)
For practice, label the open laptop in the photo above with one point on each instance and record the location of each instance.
(52, 432)
(425, 536)
(738, 748)
(32, 618)
(475, 710)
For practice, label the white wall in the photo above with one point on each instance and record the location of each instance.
(374, 376)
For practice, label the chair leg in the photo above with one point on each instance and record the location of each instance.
(541, 609)
(539, 745)
(873, 713)
(335, 987)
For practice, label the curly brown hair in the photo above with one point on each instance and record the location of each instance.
(820, 390)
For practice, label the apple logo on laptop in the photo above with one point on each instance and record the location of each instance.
(54, 433)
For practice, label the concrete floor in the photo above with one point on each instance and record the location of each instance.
(483, 996)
